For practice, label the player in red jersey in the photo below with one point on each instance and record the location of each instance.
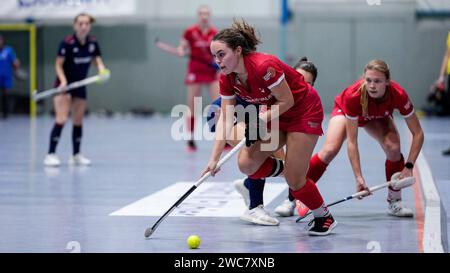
(287, 207)
(262, 79)
(202, 70)
(369, 103)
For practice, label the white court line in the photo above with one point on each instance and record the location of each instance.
(432, 233)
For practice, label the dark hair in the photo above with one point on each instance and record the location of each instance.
(308, 66)
(239, 34)
(91, 18)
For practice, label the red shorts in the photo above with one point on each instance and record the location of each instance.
(201, 77)
(306, 116)
(337, 111)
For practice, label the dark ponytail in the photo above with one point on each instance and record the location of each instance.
(308, 66)
(239, 34)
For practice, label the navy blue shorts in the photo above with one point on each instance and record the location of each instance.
(74, 93)
(79, 93)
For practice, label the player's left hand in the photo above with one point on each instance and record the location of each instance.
(211, 167)
(405, 173)
(105, 74)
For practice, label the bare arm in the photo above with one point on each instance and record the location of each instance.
(416, 144)
(285, 100)
(224, 127)
(60, 71)
(353, 154)
(99, 63)
(352, 146)
(16, 64)
(183, 48)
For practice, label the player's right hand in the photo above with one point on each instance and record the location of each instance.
(62, 84)
(362, 186)
(211, 167)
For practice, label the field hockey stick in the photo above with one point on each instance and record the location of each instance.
(149, 231)
(100, 78)
(174, 51)
(394, 183)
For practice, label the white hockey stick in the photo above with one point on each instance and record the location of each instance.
(100, 78)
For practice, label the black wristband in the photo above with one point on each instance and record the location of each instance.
(409, 165)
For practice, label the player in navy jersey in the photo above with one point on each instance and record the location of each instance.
(75, 55)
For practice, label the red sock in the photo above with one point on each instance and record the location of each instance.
(316, 168)
(391, 168)
(309, 195)
(270, 168)
(190, 124)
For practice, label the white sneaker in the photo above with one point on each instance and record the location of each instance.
(242, 189)
(52, 160)
(286, 208)
(396, 208)
(259, 216)
(79, 159)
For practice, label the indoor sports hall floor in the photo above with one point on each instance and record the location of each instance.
(139, 171)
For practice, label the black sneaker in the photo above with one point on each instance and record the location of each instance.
(191, 147)
(322, 226)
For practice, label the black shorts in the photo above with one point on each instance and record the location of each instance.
(78, 93)
(74, 93)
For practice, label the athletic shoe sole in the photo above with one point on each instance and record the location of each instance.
(258, 221)
(314, 233)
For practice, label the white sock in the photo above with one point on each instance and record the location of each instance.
(321, 211)
(394, 195)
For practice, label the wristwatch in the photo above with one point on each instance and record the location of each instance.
(409, 165)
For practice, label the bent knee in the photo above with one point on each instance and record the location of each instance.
(295, 181)
(61, 119)
(247, 166)
(328, 153)
(391, 146)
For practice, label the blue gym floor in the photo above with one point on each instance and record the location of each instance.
(76, 208)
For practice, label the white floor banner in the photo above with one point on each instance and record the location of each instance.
(212, 199)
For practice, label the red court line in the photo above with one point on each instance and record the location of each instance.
(420, 215)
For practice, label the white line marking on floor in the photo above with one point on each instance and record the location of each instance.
(432, 239)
